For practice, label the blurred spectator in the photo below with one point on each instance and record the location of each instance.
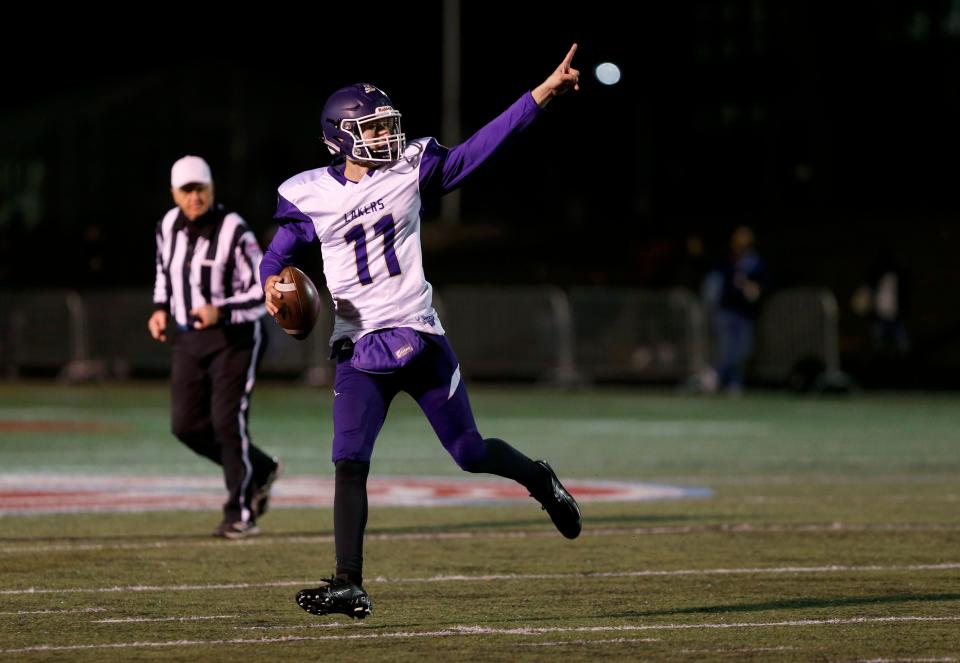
(692, 265)
(885, 298)
(94, 251)
(732, 295)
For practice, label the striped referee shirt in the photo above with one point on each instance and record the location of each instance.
(214, 259)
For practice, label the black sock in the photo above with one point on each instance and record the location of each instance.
(505, 461)
(350, 518)
(350, 576)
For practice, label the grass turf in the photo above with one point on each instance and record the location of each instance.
(831, 534)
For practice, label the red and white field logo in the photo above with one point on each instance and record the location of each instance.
(60, 493)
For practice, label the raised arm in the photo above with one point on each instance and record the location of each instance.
(563, 78)
(444, 169)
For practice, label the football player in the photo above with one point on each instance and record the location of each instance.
(364, 209)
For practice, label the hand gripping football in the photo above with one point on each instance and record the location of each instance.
(300, 305)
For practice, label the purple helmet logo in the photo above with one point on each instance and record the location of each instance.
(360, 123)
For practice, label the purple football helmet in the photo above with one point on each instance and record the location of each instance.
(353, 109)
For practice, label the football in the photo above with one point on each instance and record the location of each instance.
(300, 304)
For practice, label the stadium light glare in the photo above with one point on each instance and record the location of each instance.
(607, 73)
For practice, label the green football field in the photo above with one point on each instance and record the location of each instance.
(831, 532)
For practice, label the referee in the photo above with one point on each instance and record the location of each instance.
(207, 292)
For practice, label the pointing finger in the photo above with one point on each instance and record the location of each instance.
(565, 65)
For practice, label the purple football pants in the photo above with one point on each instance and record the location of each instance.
(361, 401)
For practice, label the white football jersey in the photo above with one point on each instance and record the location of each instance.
(370, 241)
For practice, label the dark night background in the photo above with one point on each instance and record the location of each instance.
(831, 129)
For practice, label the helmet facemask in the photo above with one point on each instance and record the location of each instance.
(380, 148)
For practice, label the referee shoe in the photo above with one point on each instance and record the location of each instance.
(236, 529)
(261, 494)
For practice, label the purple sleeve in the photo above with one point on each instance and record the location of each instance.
(443, 170)
(297, 230)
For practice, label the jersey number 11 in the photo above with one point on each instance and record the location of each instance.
(384, 226)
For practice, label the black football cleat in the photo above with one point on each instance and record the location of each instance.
(563, 509)
(337, 596)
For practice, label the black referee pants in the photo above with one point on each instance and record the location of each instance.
(212, 378)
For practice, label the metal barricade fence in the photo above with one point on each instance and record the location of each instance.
(104, 334)
(120, 342)
(308, 359)
(498, 333)
(41, 329)
(118, 335)
(515, 332)
(628, 334)
(796, 326)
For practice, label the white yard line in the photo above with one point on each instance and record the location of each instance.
(127, 620)
(323, 625)
(739, 650)
(280, 539)
(564, 643)
(775, 570)
(833, 568)
(53, 612)
(461, 631)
